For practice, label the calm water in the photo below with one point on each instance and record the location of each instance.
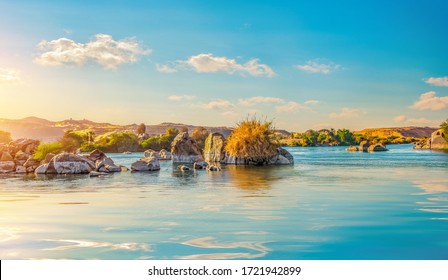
(330, 205)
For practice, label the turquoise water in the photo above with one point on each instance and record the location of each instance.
(330, 205)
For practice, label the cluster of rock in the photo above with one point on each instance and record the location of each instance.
(367, 146)
(16, 157)
(96, 163)
(437, 142)
(150, 160)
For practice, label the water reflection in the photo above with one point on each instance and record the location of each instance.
(209, 242)
(76, 244)
(254, 177)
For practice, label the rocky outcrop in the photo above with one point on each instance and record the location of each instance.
(184, 149)
(146, 164)
(31, 165)
(282, 157)
(376, 148)
(66, 163)
(366, 146)
(214, 147)
(436, 142)
(14, 155)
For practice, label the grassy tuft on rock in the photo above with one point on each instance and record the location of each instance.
(252, 139)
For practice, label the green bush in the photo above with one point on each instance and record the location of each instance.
(45, 148)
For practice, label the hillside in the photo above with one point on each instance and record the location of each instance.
(45, 130)
(411, 131)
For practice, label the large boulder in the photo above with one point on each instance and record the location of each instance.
(376, 148)
(31, 165)
(21, 157)
(25, 145)
(146, 164)
(214, 147)
(438, 140)
(96, 155)
(7, 166)
(184, 149)
(66, 163)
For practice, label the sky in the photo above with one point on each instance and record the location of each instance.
(301, 64)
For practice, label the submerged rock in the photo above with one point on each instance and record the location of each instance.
(352, 149)
(200, 165)
(183, 168)
(213, 168)
(377, 148)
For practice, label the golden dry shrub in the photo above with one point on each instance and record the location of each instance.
(252, 139)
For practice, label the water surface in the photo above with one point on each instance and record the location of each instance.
(330, 205)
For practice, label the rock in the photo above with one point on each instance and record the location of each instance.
(97, 174)
(149, 153)
(376, 148)
(200, 165)
(286, 154)
(164, 155)
(113, 168)
(103, 162)
(124, 168)
(48, 157)
(25, 145)
(184, 149)
(6, 156)
(183, 168)
(234, 160)
(352, 149)
(146, 164)
(20, 169)
(96, 155)
(21, 156)
(423, 144)
(279, 160)
(41, 169)
(214, 147)
(438, 140)
(213, 168)
(66, 163)
(31, 165)
(364, 146)
(7, 166)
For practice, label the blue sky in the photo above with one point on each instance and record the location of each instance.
(304, 64)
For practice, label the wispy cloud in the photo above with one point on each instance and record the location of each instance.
(9, 76)
(346, 113)
(291, 106)
(428, 101)
(181, 97)
(311, 102)
(259, 99)
(102, 49)
(218, 104)
(165, 68)
(208, 63)
(318, 66)
(402, 119)
(229, 114)
(441, 81)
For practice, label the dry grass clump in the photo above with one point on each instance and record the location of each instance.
(252, 139)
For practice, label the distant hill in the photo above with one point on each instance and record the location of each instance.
(45, 130)
(410, 131)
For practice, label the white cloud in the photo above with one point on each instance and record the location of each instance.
(207, 63)
(346, 113)
(217, 104)
(402, 119)
(165, 68)
(441, 82)
(311, 102)
(9, 76)
(259, 99)
(428, 101)
(291, 107)
(102, 49)
(316, 66)
(229, 114)
(181, 97)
